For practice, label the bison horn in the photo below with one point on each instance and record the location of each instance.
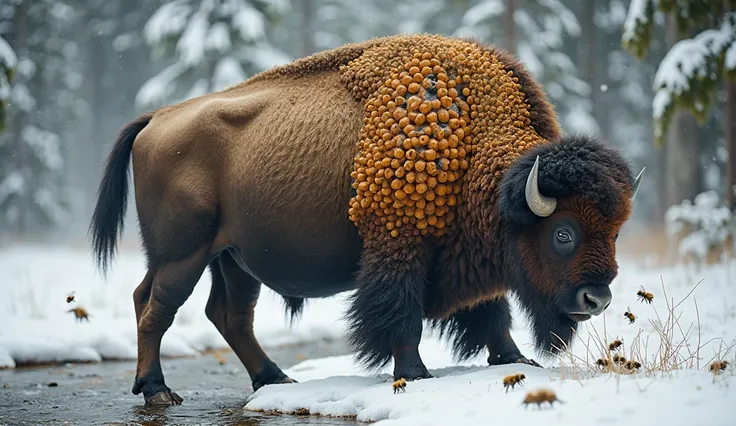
(538, 203)
(637, 182)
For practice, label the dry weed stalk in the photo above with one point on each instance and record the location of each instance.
(673, 352)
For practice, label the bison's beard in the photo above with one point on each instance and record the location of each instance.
(552, 329)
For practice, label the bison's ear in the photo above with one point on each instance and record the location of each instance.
(520, 201)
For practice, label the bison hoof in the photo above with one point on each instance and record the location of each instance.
(516, 358)
(164, 398)
(410, 374)
(281, 380)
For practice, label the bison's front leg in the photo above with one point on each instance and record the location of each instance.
(385, 315)
(486, 325)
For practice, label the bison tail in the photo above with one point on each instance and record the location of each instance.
(294, 308)
(112, 196)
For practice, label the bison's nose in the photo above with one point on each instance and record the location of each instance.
(593, 299)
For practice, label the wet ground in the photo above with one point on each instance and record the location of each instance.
(99, 394)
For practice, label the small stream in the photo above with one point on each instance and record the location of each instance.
(99, 394)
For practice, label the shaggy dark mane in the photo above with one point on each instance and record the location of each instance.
(580, 165)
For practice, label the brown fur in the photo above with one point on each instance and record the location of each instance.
(255, 182)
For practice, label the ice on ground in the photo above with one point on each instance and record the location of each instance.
(476, 396)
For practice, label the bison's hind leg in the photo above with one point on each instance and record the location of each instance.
(231, 306)
(486, 325)
(385, 313)
(178, 231)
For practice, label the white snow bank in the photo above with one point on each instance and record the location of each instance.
(36, 327)
(477, 396)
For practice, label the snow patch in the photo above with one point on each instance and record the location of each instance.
(476, 396)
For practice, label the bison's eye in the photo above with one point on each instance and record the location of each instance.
(563, 236)
(564, 241)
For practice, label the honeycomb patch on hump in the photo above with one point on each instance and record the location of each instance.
(442, 118)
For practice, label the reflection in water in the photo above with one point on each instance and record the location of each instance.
(227, 416)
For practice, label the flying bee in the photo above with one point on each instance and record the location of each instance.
(618, 359)
(400, 385)
(513, 380)
(718, 366)
(632, 365)
(80, 314)
(615, 345)
(539, 397)
(70, 297)
(603, 362)
(644, 295)
(631, 317)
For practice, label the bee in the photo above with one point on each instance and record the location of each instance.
(80, 314)
(603, 362)
(400, 385)
(618, 359)
(615, 345)
(631, 317)
(219, 357)
(632, 365)
(70, 297)
(513, 380)
(539, 397)
(718, 366)
(644, 295)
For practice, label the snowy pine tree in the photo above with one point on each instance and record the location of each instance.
(541, 30)
(32, 192)
(210, 45)
(691, 71)
(690, 75)
(8, 60)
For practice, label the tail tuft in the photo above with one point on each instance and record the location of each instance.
(112, 196)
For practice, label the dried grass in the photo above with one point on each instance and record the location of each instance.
(673, 350)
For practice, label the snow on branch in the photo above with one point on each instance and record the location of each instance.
(690, 72)
(168, 21)
(483, 11)
(638, 26)
(7, 55)
(700, 227)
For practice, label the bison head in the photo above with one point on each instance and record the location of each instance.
(562, 205)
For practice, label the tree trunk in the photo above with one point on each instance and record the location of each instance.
(682, 159)
(730, 133)
(510, 26)
(307, 33)
(22, 164)
(589, 54)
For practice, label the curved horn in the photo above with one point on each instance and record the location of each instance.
(637, 182)
(538, 203)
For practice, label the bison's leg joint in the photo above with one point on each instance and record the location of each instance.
(231, 308)
(385, 316)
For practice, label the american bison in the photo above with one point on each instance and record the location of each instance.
(429, 174)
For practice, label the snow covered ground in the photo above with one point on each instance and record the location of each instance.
(674, 386)
(37, 328)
